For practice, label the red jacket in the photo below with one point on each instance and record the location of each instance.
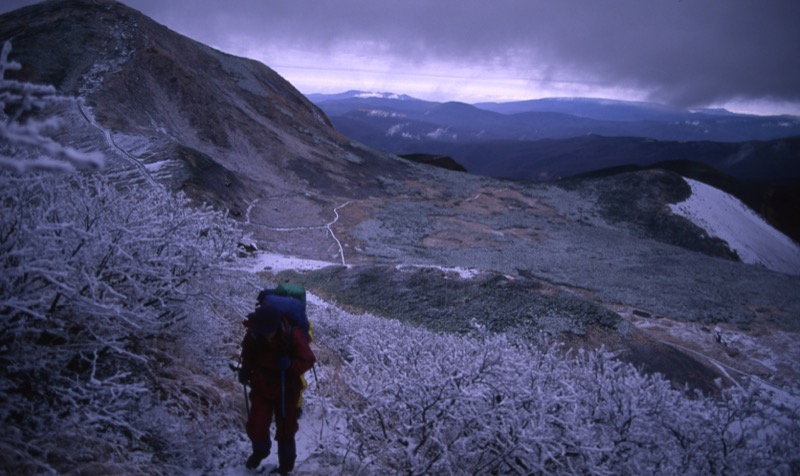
(260, 356)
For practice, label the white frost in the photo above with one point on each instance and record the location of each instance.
(276, 263)
(727, 218)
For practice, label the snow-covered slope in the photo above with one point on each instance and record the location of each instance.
(727, 218)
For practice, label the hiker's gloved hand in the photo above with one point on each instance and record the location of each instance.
(284, 362)
(244, 376)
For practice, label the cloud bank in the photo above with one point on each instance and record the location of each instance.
(684, 52)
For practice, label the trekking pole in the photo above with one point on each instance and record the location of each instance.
(314, 369)
(244, 386)
(246, 400)
(283, 393)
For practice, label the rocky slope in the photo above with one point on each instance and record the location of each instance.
(227, 130)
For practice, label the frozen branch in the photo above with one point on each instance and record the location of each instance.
(42, 153)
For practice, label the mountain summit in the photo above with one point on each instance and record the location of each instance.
(229, 131)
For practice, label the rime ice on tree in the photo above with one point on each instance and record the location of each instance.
(24, 147)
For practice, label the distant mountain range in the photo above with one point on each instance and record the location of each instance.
(548, 139)
(402, 118)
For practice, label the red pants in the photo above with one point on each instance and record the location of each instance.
(262, 410)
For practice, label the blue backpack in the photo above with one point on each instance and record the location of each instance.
(287, 301)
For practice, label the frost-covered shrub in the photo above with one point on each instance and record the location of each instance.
(101, 290)
(110, 297)
(422, 403)
(24, 144)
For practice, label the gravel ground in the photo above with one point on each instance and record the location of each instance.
(635, 252)
(553, 260)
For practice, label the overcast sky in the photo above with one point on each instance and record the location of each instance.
(744, 54)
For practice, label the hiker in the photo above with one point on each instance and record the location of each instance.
(275, 354)
(290, 299)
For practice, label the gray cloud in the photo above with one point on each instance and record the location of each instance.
(689, 52)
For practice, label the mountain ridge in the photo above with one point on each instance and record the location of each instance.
(240, 124)
(547, 104)
(615, 117)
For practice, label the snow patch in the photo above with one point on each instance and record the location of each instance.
(462, 273)
(441, 133)
(397, 129)
(725, 217)
(264, 261)
(367, 95)
(155, 167)
(380, 113)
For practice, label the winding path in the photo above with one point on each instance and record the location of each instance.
(330, 230)
(787, 395)
(327, 226)
(136, 163)
(127, 156)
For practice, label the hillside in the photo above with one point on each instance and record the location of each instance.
(400, 249)
(228, 131)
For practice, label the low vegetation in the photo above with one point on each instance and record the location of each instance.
(105, 306)
(417, 402)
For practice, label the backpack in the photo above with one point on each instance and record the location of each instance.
(292, 290)
(288, 300)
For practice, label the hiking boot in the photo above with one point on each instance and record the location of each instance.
(255, 459)
(287, 454)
